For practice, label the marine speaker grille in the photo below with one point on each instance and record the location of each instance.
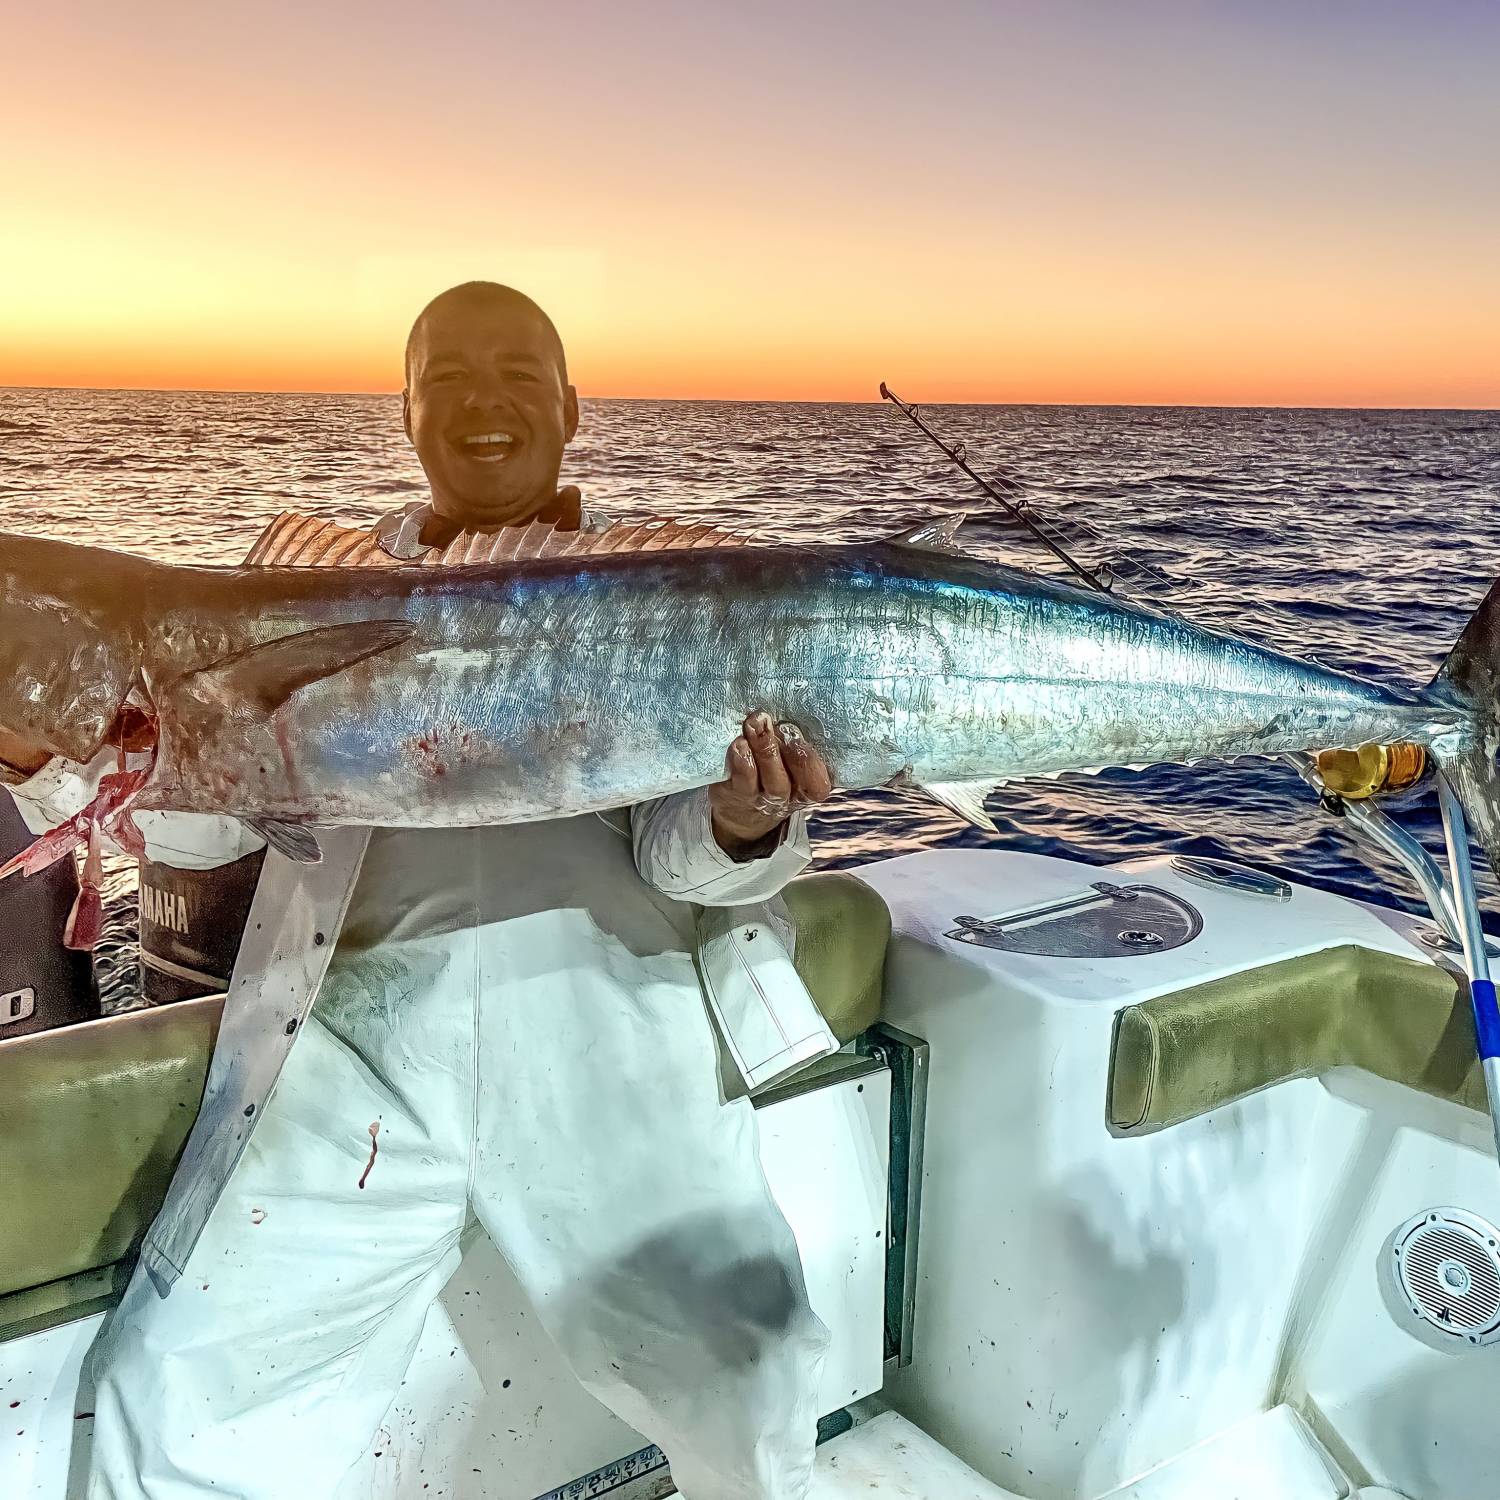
(1446, 1263)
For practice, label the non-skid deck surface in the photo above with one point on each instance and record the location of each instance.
(889, 1458)
(1270, 1457)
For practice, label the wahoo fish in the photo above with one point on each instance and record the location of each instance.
(567, 672)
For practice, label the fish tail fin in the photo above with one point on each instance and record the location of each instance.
(1470, 677)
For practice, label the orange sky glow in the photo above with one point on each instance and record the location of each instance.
(1164, 203)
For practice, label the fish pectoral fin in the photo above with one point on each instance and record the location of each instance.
(291, 839)
(935, 535)
(966, 798)
(266, 676)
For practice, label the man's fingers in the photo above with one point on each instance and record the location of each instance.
(808, 771)
(765, 746)
(769, 770)
(740, 775)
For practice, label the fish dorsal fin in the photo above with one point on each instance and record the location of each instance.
(935, 535)
(293, 540)
(541, 539)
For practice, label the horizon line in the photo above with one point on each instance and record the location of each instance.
(152, 390)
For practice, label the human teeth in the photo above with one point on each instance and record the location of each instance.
(489, 437)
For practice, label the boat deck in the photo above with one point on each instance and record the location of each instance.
(1273, 1456)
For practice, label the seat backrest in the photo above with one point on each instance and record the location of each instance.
(92, 1119)
(843, 930)
(1180, 1055)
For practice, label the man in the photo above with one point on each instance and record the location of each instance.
(512, 1021)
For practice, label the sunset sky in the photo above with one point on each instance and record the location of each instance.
(1290, 202)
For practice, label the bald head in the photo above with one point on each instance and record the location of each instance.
(480, 299)
(488, 406)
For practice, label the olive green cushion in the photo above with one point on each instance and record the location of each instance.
(1183, 1054)
(93, 1118)
(843, 929)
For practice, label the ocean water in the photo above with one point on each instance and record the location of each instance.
(1364, 538)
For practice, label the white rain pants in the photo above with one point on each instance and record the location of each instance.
(518, 1011)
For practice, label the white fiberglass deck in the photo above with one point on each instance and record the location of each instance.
(1270, 1457)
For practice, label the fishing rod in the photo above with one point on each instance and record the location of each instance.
(1016, 508)
(1454, 905)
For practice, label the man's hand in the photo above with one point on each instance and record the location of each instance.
(769, 770)
(566, 512)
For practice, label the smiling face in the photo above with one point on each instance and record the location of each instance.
(488, 406)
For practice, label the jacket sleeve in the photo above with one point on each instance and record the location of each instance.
(190, 841)
(677, 854)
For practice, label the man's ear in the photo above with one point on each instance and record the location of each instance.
(570, 414)
(406, 414)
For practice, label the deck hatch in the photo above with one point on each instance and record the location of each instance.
(1104, 921)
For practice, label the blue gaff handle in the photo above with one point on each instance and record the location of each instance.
(1476, 955)
(1486, 1016)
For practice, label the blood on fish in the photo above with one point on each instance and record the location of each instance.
(134, 729)
(374, 1151)
(428, 763)
(441, 748)
(288, 756)
(85, 923)
(107, 814)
